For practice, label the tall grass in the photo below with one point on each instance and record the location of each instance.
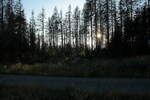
(137, 67)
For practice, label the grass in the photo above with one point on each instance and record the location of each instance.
(136, 67)
(30, 93)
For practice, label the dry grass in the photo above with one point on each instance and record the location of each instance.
(137, 67)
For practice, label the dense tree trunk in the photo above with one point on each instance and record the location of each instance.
(95, 21)
(107, 22)
(2, 15)
(69, 25)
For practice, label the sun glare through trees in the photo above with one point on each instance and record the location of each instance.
(78, 27)
(94, 46)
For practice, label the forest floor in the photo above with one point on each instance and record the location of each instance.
(133, 67)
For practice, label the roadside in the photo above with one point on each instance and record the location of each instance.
(136, 67)
(101, 85)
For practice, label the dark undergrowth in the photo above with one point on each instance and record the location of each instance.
(133, 67)
(30, 93)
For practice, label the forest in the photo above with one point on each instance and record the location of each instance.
(103, 28)
(98, 52)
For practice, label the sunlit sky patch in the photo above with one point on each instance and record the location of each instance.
(49, 5)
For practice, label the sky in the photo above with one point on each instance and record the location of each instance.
(49, 5)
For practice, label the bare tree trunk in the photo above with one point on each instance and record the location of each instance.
(2, 15)
(107, 21)
(53, 38)
(95, 21)
(112, 19)
(69, 22)
(65, 37)
(85, 40)
(100, 26)
(91, 33)
(131, 17)
(61, 31)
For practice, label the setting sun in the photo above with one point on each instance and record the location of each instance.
(99, 36)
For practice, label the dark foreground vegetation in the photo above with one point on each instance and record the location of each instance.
(134, 67)
(30, 93)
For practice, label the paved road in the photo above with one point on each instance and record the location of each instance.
(89, 84)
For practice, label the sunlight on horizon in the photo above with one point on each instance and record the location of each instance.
(99, 36)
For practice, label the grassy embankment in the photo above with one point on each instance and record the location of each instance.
(136, 67)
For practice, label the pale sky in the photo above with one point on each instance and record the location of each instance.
(49, 5)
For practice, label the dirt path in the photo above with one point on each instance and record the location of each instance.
(89, 84)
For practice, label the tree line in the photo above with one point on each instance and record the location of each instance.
(102, 27)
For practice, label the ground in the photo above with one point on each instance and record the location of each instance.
(77, 79)
(49, 88)
(26, 93)
(133, 67)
